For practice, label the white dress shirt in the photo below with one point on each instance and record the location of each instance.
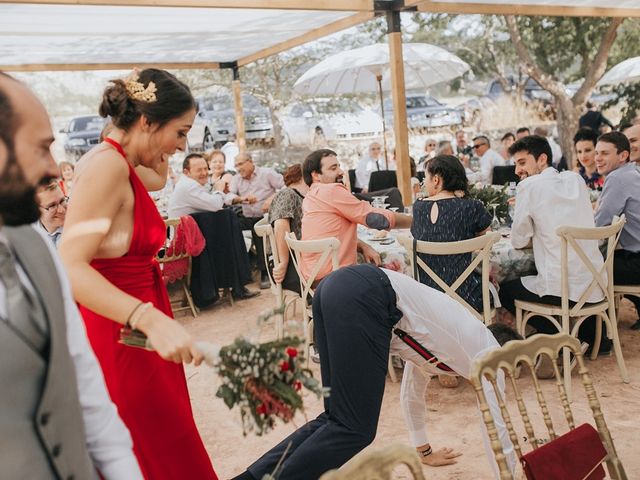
(543, 203)
(108, 440)
(190, 197)
(490, 159)
(556, 151)
(230, 150)
(450, 332)
(368, 164)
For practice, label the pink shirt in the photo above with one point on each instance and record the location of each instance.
(262, 183)
(330, 210)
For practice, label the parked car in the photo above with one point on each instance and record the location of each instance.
(338, 119)
(533, 91)
(424, 112)
(82, 134)
(216, 121)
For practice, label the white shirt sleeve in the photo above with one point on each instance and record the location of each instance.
(413, 403)
(108, 440)
(363, 172)
(199, 199)
(522, 227)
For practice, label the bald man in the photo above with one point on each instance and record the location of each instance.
(56, 417)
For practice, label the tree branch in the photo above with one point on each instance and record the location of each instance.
(529, 66)
(599, 63)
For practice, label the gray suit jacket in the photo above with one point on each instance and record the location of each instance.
(41, 428)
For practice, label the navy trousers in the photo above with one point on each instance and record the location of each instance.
(354, 310)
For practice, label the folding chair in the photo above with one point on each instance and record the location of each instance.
(265, 231)
(508, 359)
(480, 245)
(169, 253)
(327, 248)
(581, 310)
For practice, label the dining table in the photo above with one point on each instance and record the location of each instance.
(507, 263)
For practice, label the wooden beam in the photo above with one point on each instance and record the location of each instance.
(63, 67)
(331, 5)
(400, 116)
(241, 136)
(430, 6)
(309, 36)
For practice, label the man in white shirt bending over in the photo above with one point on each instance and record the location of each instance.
(192, 194)
(489, 158)
(546, 199)
(356, 312)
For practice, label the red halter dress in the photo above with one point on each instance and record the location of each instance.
(150, 393)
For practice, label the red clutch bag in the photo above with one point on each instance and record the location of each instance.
(576, 455)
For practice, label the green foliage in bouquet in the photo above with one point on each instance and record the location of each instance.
(265, 381)
(492, 195)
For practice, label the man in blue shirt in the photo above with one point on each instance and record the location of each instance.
(621, 195)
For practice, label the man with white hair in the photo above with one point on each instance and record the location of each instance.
(373, 161)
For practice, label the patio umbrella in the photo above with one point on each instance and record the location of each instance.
(626, 71)
(367, 69)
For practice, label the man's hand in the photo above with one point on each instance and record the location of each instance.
(267, 204)
(250, 199)
(369, 254)
(439, 458)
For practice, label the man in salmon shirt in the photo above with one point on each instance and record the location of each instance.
(330, 210)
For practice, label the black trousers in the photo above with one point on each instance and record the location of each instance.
(247, 223)
(626, 271)
(515, 290)
(354, 310)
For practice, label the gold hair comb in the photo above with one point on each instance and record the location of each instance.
(137, 90)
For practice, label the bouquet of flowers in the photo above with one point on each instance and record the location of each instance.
(265, 381)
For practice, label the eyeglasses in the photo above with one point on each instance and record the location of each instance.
(375, 148)
(431, 144)
(55, 206)
(478, 145)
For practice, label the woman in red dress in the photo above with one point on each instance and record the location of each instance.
(112, 233)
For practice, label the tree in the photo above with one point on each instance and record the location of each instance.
(545, 46)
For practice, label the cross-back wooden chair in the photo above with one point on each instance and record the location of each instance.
(602, 277)
(378, 464)
(168, 254)
(283, 298)
(327, 248)
(480, 245)
(508, 359)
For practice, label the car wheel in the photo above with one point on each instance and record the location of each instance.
(207, 141)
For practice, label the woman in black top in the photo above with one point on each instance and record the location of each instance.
(448, 215)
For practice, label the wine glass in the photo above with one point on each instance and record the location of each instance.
(393, 209)
(495, 221)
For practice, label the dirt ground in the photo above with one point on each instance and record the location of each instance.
(453, 420)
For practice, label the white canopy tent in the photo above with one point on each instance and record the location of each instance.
(43, 35)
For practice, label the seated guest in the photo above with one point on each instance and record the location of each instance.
(191, 193)
(449, 216)
(585, 143)
(429, 152)
(53, 210)
(506, 141)
(556, 151)
(632, 132)
(546, 199)
(355, 311)
(620, 195)
(489, 158)
(66, 177)
(372, 162)
(462, 147)
(330, 210)
(522, 132)
(256, 187)
(231, 151)
(444, 148)
(594, 119)
(216, 161)
(285, 215)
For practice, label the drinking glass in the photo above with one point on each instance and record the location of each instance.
(495, 222)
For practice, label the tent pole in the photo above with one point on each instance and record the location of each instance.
(384, 123)
(399, 106)
(241, 137)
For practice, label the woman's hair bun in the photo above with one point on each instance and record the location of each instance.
(117, 105)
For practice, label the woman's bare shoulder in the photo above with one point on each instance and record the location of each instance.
(102, 162)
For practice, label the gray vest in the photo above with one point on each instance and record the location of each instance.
(41, 428)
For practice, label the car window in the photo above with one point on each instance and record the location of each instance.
(86, 123)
